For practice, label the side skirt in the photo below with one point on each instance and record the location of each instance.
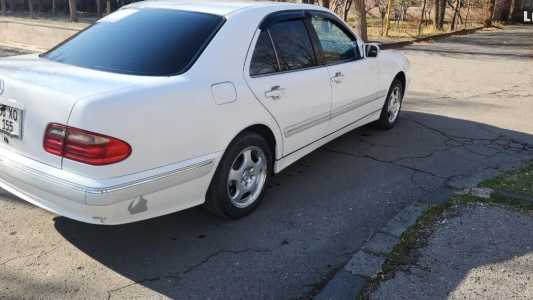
(296, 155)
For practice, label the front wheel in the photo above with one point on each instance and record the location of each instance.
(241, 177)
(393, 105)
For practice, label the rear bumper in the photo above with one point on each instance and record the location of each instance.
(111, 201)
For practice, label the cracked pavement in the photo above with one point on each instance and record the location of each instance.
(466, 117)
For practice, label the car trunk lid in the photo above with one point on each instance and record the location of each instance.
(45, 92)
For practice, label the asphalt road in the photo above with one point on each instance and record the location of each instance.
(466, 116)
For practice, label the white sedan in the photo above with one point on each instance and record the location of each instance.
(162, 106)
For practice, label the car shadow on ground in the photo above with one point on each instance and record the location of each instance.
(334, 198)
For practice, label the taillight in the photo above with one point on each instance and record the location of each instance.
(84, 146)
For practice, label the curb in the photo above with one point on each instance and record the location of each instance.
(349, 282)
(395, 45)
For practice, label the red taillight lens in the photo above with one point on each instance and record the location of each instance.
(84, 146)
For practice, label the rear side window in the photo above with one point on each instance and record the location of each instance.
(150, 42)
(293, 45)
(264, 58)
(337, 46)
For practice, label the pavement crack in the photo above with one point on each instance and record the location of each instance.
(215, 254)
(392, 162)
(179, 275)
(110, 292)
(15, 258)
(38, 255)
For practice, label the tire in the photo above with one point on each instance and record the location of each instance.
(389, 116)
(242, 175)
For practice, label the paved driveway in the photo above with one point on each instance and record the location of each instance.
(467, 115)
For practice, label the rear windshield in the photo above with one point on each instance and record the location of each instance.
(149, 42)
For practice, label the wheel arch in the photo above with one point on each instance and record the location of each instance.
(265, 132)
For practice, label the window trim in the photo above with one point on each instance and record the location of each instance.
(306, 15)
(335, 20)
(280, 17)
(278, 66)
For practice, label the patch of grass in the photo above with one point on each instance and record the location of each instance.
(518, 181)
(416, 236)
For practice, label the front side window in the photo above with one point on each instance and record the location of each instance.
(337, 46)
(149, 42)
(264, 58)
(293, 45)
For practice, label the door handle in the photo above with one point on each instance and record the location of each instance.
(275, 92)
(338, 77)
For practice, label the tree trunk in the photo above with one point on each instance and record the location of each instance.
(436, 5)
(108, 7)
(442, 14)
(98, 8)
(72, 5)
(12, 5)
(308, 1)
(456, 9)
(54, 8)
(346, 9)
(325, 3)
(30, 8)
(489, 13)
(387, 17)
(467, 14)
(517, 13)
(360, 25)
(502, 10)
(3, 4)
(422, 17)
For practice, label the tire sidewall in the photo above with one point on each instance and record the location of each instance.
(384, 118)
(218, 195)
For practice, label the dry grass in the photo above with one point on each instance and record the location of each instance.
(405, 31)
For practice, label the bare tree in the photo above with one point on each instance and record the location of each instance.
(387, 17)
(436, 14)
(422, 15)
(98, 8)
(12, 5)
(502, 10)
(382, 7)
(516, 11)
(489, 13)
(73, 9)
(360, 13)
(30, 8)
(442, 14)
(346, 9)
(456, 13)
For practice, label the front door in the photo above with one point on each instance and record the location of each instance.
(285, 78)
(353, 77)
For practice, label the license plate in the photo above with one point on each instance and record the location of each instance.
(11, 120)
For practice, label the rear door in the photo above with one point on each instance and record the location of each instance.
(283, 73)
(354, 79)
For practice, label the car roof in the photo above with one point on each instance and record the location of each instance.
(222, 8)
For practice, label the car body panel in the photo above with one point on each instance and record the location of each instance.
(178, 126)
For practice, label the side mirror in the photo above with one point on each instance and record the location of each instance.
(372, 50)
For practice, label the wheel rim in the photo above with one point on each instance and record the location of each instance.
(395, 103)
(247, 177)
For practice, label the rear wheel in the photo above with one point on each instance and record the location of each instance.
(393, 105)
(238, 185)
